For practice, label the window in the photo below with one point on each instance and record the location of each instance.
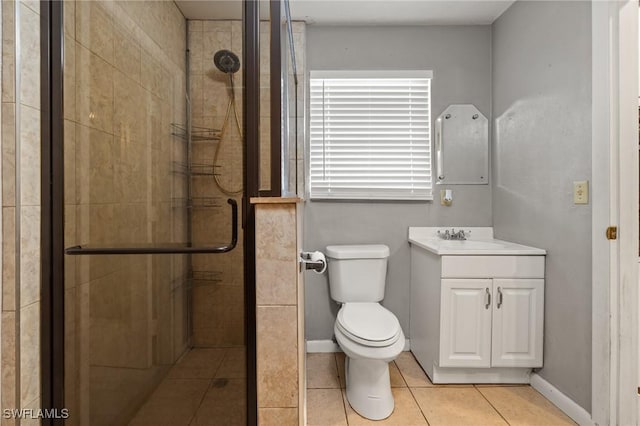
(370, 135)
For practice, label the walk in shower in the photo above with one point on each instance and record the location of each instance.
(168, 121)
(153, 177)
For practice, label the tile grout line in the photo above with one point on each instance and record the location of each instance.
(401, 375)
(416, 401)
(412, 394)
(342, 396)
(193, 416)
(492, 406)
(224, 356)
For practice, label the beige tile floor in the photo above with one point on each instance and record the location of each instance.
(206, 387)
(419, 402)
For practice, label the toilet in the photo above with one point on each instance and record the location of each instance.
(369, 334)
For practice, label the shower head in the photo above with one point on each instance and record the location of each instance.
(226, 61)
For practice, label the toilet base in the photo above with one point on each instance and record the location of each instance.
(369, 387)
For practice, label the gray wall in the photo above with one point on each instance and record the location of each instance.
(460, 57)
(541, 144)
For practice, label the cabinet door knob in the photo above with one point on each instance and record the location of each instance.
(488, 299)
(499, 297)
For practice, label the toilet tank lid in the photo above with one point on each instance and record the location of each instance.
(362, 251)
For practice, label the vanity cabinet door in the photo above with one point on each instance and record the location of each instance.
(518, 314)
(465, 326)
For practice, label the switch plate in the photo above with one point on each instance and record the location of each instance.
(581, 192)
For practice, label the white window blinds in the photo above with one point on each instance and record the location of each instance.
(370, 135)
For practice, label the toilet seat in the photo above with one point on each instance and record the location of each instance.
(369, 324)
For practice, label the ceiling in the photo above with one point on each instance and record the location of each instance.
(363, 12)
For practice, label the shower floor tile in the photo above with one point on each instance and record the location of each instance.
(198, 364)
(206, 387)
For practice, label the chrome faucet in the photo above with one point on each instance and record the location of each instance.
(458, 235)
(453, 235)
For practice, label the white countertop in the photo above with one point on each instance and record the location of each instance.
(479, 241)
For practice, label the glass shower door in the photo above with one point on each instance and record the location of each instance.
(129, 206)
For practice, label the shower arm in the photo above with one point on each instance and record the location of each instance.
(167, 249)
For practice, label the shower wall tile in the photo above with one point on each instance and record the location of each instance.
(236, 39)
(69, 77)
(277, 263)
(34, 5)
(95, 163)
(218, 314)
(70, 184)
(127, 53)
(213, 41)
(8, 259)
(32, 405)
(212, 25)
(29, 57)
(155, 75)
(8, 142)
(8, 363)
(94, 27)
(29, 353)
(29, 255)
(196, 49)
(20, 140)
(195, 25)
(216, 105)
(70, 262)
(276, 283)
(8, 51)
(277, 346)
(69, 11)
(278, 417)
(280, 320)
(94, 89)
(128, 114)
(30, 174)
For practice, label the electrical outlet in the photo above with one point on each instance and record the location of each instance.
(446, 197)
(581, 192)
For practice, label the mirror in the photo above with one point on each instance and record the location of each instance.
(462, 146)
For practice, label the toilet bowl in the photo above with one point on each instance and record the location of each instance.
(368, 352)
(369, 334)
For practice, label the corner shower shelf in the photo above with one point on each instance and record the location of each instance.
(198, 134)
(198, 278)
(195, 169)
(197, 203)
(205, 277)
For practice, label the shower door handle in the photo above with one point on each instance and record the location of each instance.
(168, 249)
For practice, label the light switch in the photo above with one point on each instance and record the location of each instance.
(581, 192)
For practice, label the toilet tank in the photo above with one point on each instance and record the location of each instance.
(357, 273)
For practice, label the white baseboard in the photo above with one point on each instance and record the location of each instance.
(562, 401)
(327, 346)
(322, 346)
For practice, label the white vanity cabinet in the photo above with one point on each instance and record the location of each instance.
(477, 318)
(491, 322)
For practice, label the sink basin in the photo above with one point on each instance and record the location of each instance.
(480, 243)
(473, 245)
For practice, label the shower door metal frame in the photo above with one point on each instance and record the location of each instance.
(52, 333)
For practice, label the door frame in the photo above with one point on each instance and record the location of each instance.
(615, 203)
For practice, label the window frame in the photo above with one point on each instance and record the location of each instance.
(370, 194)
